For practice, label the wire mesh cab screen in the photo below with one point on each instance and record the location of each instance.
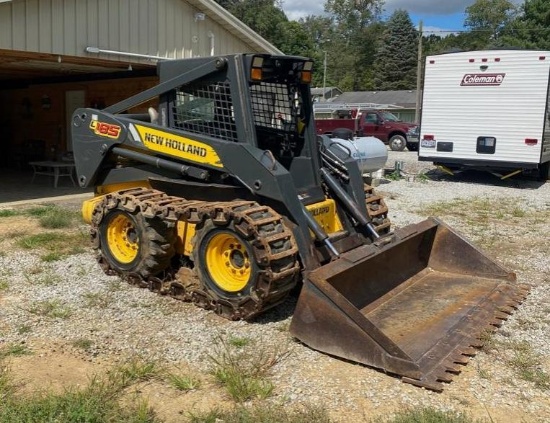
(274, 106)
(206, 109)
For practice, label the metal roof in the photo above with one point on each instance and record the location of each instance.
(402, 98)
(63, 39)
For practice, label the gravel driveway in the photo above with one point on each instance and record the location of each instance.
(121, 321)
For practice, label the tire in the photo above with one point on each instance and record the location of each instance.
(244, 268)
(397, 142)
(412, 146)
(225, 261)
(544, 172)
(133, 244)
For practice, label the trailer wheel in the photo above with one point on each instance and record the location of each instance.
(412, 146)
(397, 143)
(544, 172)
(131, 243)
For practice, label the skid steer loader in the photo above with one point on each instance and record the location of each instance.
(223, 195)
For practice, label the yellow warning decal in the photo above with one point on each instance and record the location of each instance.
(325, 215)
(175, 145)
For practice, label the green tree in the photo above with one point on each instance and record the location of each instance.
(349, 40)
(266, 17)
(319, 32)
(295, 39)
(532, 28)
(396, 56)
(487, 21)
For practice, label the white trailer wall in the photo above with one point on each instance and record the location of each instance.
(511, 108)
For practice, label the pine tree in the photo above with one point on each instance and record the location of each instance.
(396, 55)
(532, 28)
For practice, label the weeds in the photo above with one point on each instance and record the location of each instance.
(46, 239)
(6, 385)
(4, 284)
(238, 342)
(47, 279)
(82, 343)
(394, 176)
(51, 308)
(99, 401)
(522, 359)
(184, 382)
(484, 373)
(429, 415)
(23, 329)
(526, 364)
(423, 177)
(265, 414)
(54, 217)
(136, 371)
(9, 213)
(243, 371)
(14, 350)
(481, 210)
(97, 299)
(16, 233)
(54, 244)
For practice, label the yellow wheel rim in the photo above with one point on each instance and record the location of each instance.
(227, 262)
(122, 239)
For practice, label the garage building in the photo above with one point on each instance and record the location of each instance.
(58, 55)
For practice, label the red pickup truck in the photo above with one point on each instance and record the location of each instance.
(370, 122)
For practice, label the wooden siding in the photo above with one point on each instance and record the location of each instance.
(23, 118)
(164, 28)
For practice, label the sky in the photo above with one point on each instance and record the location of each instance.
(436, 15)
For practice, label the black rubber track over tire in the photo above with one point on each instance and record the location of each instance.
(264, 288)
(156, 239)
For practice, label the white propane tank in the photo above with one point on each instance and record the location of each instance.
(371, 153)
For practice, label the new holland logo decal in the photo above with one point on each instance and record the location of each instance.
(176, 145)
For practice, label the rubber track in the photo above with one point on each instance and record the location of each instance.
(280, 266)
(377, 210)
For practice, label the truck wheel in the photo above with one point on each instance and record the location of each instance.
(131, 243)
(412, 146)
(397, 143)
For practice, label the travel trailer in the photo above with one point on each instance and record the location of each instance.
(487, 110)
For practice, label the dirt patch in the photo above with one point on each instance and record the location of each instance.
(16, 226)
(50, 368)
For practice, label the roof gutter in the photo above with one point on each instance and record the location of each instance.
(98, 50)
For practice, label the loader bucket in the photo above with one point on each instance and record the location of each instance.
(416, 304)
